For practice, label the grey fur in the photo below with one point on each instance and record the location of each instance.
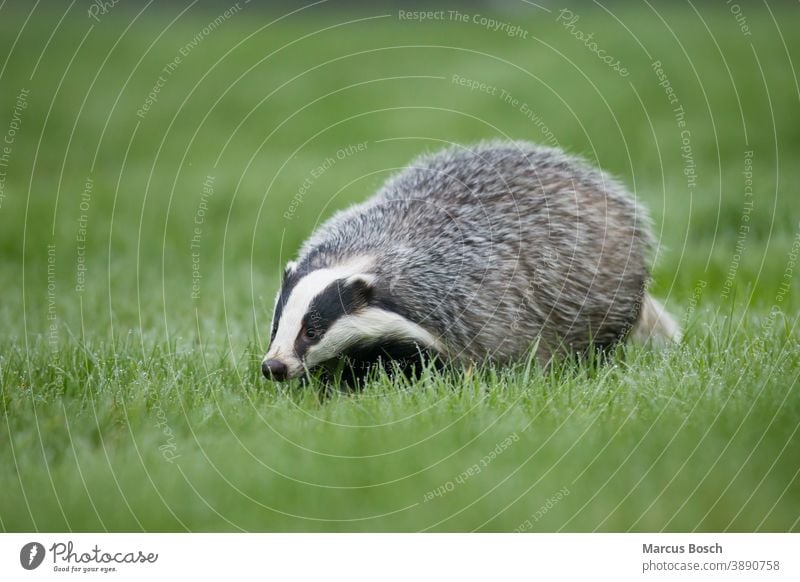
(496, 246)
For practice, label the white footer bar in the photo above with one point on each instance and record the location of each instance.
(355, 557)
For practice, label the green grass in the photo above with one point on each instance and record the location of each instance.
(141, 407)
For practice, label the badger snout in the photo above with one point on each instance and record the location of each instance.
(275, 370)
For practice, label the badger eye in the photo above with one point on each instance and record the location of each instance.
(310, 333)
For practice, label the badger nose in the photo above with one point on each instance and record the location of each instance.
(275, 370)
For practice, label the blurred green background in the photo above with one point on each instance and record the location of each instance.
(161, 164)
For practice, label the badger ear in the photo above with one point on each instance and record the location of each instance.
(291, 267)
(361, 287)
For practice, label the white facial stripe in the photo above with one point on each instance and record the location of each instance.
(304, 292)
(291, 267)
(368, 325)
(275, 306)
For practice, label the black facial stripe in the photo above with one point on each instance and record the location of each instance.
(336, 300)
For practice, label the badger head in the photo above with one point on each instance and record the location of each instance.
(323, 314)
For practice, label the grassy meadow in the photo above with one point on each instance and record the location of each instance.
(161, 164)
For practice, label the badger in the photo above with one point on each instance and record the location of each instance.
(490, 253)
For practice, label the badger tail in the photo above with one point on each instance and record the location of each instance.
(655, 325)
